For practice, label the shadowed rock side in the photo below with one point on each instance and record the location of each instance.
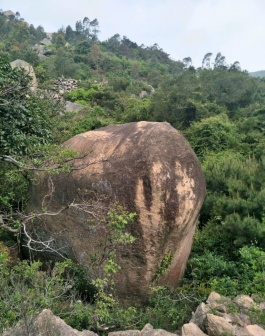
(151, 169)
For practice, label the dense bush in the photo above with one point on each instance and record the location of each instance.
(214, 134)
(24, 122)
(241, 271)
(26, 290)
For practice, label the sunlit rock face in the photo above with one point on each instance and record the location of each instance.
(149, 168)
(29, 71)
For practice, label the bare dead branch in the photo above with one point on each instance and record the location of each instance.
(22, 168)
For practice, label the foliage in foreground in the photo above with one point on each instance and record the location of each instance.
(27, 289)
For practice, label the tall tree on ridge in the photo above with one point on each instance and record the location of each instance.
(219, 62)
(86, 27)
(95, 29)
(206, 62)
(187, 61)
(69, 33)
(79, 27)
(235, 66)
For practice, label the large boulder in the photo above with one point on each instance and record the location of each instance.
(149, 168)
(29, 70)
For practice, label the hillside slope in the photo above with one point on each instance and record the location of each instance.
(260, 73)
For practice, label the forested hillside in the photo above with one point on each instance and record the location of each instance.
(260, 73)
(219, 108)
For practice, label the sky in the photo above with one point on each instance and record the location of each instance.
(182, 28)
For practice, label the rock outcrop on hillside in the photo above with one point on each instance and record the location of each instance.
(149, 168)
(41, 51)
(29, 70)
(8, 13)
(61, 85)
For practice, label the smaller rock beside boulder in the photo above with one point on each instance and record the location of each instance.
(217, 326)
(148, 330)
(244, 318)
(191, 329)
(239, 331)
(262, 305)
(233, 319)
(213, 297)
(200, 314)
(47, 324)
(216, 318)
(125, 333)
(217, 298)
(255, 330)
(244, 301)
(220, 307)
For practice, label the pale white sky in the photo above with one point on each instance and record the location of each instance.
(181, 27)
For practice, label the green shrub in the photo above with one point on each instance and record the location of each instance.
(23, 119)
(88, 123)
(26, 290)
(235, 192)
(214, 134)
(241, 272)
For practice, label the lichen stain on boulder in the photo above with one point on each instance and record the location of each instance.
(150, 169)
